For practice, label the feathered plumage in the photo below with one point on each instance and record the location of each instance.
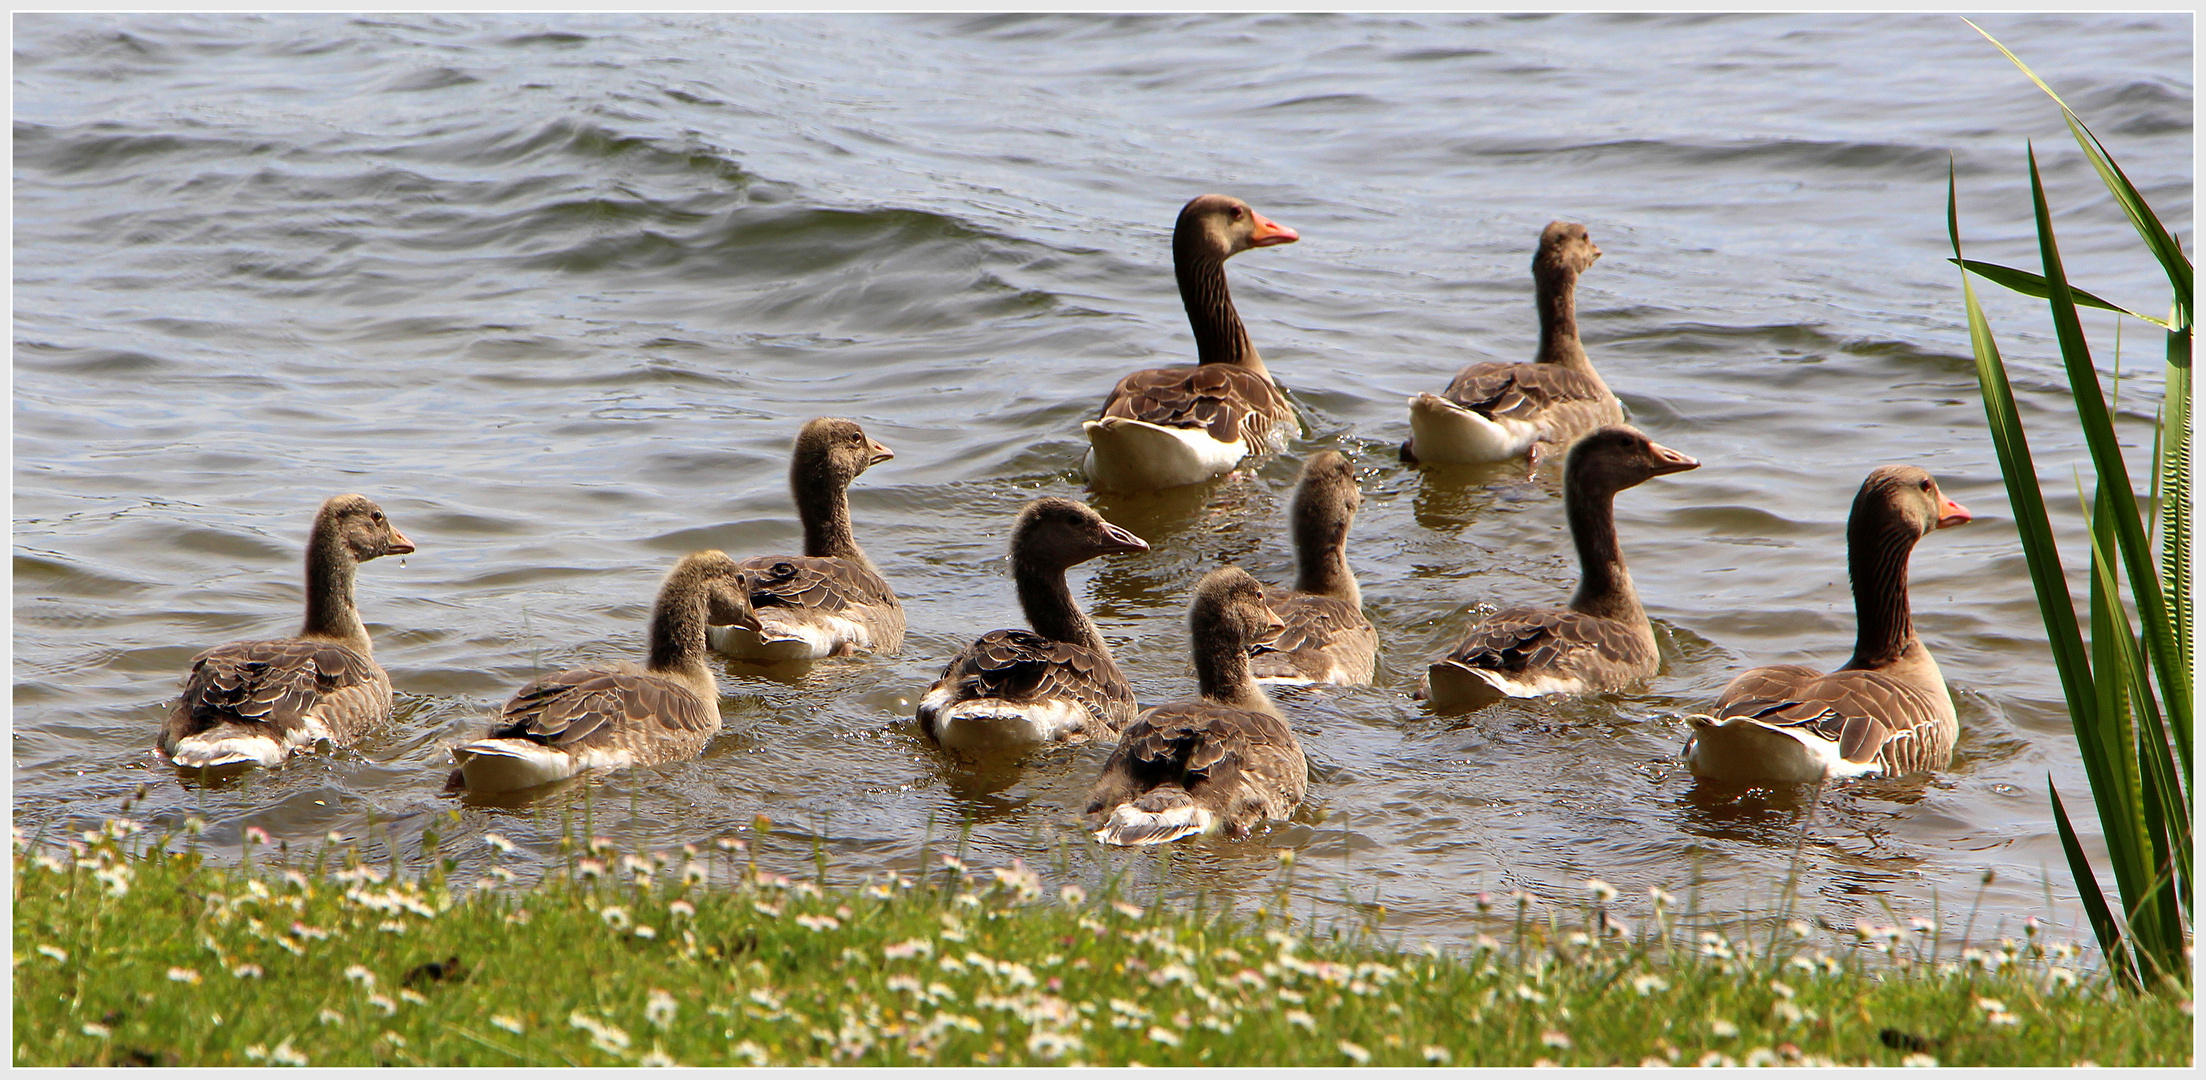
(1496, 411)
(1602, 641)
(1887, 710)
(1165, 427)
(258, 702)
(1327, 639)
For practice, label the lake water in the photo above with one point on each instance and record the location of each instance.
(557, 290)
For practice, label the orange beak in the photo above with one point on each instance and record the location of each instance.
(1951, 513)
(399, 544)
(880, 454)
(1268, 232)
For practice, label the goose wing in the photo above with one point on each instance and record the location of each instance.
(806, 583)
(1240, 764)
(1521, 391)
(1523, 643)
(288, 685)
(1020, 665)
(1324, 634)
(1229, 402)
(593, 707)
(1867, 716)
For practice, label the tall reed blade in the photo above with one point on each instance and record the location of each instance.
(2103, 925)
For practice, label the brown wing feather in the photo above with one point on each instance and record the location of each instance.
(1023, 666)
(592, 708)
(1869, 715)
(1520, 391)
(1230, 402)
(1324, 635)
(1241, 765)
(820, 584)
(284, 684)
(1528, 642)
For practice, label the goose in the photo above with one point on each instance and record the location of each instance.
(1166, 427)
(258, 702)
(618, 715)
(830, 601)
(1602, 641)
(1013, 690)
(1495, 411)
(1327, 639)
(1225, 761)
(1887, 709)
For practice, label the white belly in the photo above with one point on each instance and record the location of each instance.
(1133, 455)
(1444, 433)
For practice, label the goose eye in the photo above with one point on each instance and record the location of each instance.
(376, 517)
(1926, 484)
(1236, 213)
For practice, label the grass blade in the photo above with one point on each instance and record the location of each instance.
(2029, 284)
(2157, 240)
(2103, 925)
(2106, 460)
(2031, 524)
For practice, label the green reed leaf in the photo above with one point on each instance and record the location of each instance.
(2033, 285)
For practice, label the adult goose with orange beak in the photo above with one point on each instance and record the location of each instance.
(1887, 709)
(1166, 427)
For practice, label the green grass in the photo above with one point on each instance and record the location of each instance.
(126, 952)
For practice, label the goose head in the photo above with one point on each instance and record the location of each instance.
(1327, 494)
(728, 602)
(832, 451)
(1229, 610)
(1222, 226)
(1565, 247)
(360, 528)
(1055, 534)
(1906, 499)
(1619, 456)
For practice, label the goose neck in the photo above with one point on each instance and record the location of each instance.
(1220, 337)
(1050, 608)
(1321, 555)
(678, 627)
(823, 506)
(1223, 673)
(330, 614)
(1556, 292)
(1604, 585)
(1876, 560)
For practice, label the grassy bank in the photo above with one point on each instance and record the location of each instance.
(128, 953)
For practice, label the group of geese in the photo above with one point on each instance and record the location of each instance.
(1226, 760)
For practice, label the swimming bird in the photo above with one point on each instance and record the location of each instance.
(830, 601)
(1602, 641)
(1327, 639)
(1165, 427)
(618, 715)
(1495, 411)
(1013, 690)
(1886, 710)
(258, 702)
(1225, 761)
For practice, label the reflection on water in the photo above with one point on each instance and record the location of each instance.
(562, 317)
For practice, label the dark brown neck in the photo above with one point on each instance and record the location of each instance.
(1219, 336)
(824, 507)
(1876, 560)
(1321, 556)
(1050, 608)
(1222, 670)
(678, 623)
(329, 574)
(1604, 586)
(1556, 292)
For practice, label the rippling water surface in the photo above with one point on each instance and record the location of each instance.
(558, 289)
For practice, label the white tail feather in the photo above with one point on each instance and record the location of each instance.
(1444, 433)
(227, 746)
(1129, 827)
(493, 765)
(1134, 455)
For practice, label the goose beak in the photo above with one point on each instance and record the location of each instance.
(1117, 540)
(1951, 513)
(1668, 461)
(1270, 635)
(880, 453)
(1268, 233)
(399, 545)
